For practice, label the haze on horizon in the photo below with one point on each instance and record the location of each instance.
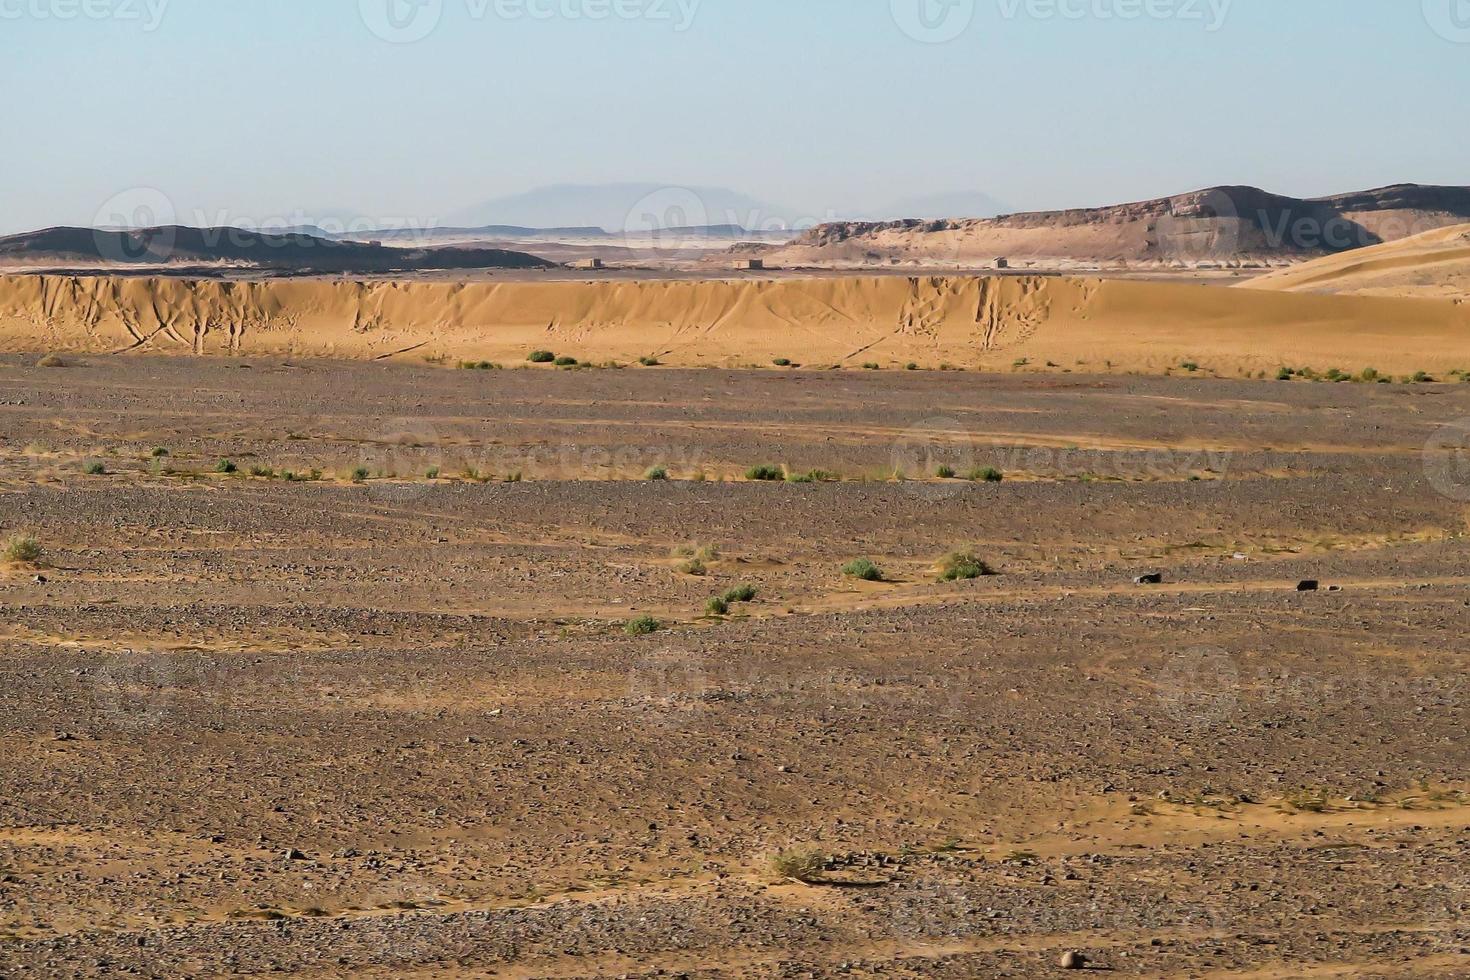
(418, 111)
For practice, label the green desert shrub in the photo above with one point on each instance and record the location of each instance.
(23, 547)
(740, 593)
(765, 473)
(94, 468)
(656, 473)
(648, 361)
(782, 362)
(986, 474)
(225, 466)
(864, 569)
(565, 362)
(717, 606)
(642, 626)
(541, 357)
(961, 565)
(945, 472)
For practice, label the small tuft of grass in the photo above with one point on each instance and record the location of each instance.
(541, 357)
(767, 474)
(803, 865)
(694, 566)
(717, 606)
(863, 569)
(1422, 377)
(1189, 366)
(648, 361)
(565, 362)
(262, 471)
(1285, 373)
(945, 472)
(360, 475)
(515, 477)
(432, 473)
(23, 548)
(95, 468)
(642, 626)
(911, 366)
(782, 362)
(1369, 376)
(52, 361)
(225, 466)
(1308, 800)
(962, 566)
(656, 473)
(986, 474)
(811, 476)
(159, 452)
(871, 366)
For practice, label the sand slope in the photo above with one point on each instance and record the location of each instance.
(1435, 264)
(968, 321)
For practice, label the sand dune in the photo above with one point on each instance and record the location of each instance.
(986, 322)
(1435, 264)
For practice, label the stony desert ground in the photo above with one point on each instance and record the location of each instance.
(367, 722)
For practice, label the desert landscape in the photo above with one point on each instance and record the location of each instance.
(846, 623)
(333, 668)
(559, 489)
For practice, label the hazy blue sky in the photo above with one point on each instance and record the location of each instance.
(259, 108)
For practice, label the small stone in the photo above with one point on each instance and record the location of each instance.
(294, 855)
(1073, 960)
(1152, 578)
(1308, 585)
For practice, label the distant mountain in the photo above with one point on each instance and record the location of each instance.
(1211, 226)
(629, 207)
(289, 253)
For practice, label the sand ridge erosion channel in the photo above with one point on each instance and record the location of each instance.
(988, 322)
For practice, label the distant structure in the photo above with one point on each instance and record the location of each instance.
(589, 264)
(753, 265)
(1002, 262)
